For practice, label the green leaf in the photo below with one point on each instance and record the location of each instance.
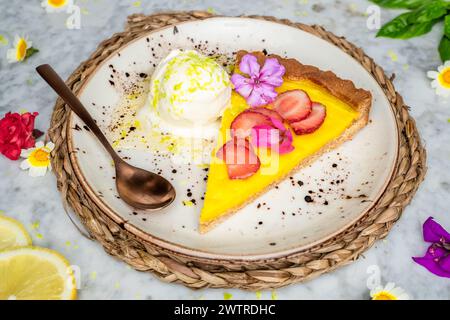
(429, 12)
(395, 26)
(444, 48)
(447, 26)
(401, 4)
(31, 51)
(401, 28)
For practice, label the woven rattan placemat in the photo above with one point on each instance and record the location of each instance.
(254, 275)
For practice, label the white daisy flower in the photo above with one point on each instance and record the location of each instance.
(389, 292)
(441, 80)
(56, 5)
(19, 52)
(37, 159)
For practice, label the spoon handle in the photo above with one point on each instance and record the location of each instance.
(54, 80)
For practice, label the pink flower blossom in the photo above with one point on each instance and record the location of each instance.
(259, 87)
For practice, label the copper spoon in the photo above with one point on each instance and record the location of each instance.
(137, 187)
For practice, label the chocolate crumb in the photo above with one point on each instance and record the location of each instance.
(308, 199)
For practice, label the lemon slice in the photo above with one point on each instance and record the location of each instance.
(33, 273)
(12, 234)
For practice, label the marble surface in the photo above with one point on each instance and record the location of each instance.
(36, 201)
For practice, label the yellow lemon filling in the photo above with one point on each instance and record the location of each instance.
(222, 193)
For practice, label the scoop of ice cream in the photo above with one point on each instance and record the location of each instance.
(188, 93)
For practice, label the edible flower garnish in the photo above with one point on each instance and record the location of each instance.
(437, 257)
(388, 292)
(441, 79)
(37, 159)
(55, 5)
(22, 50)
(16, 133)
(259, 87)
(276, 137)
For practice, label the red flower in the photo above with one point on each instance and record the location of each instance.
(16, 133)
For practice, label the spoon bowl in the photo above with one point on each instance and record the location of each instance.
(143, 189)
(139, 188)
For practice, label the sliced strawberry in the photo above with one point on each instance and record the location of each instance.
(242, 125)
(240, 159)
(268, 112)
(313, 122)
(293, 105)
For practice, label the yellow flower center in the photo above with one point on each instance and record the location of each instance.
(57, 3)
(444, 78)
(384, 295)
(39, 158)
(21, 49)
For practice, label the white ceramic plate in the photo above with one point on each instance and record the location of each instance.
(344, 183)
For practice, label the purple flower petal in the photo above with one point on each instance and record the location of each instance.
(262, 95)
(434, 232)
(268, 92)
(249, 65)
(272, 72)
(257, 97)
(435, 252)
(242, 85)
(444, 263)
(436, 260)
(432, 266)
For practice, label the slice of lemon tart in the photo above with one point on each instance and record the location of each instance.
(283, 116)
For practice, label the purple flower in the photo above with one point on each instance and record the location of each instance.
(437, 257)
(259, 88)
